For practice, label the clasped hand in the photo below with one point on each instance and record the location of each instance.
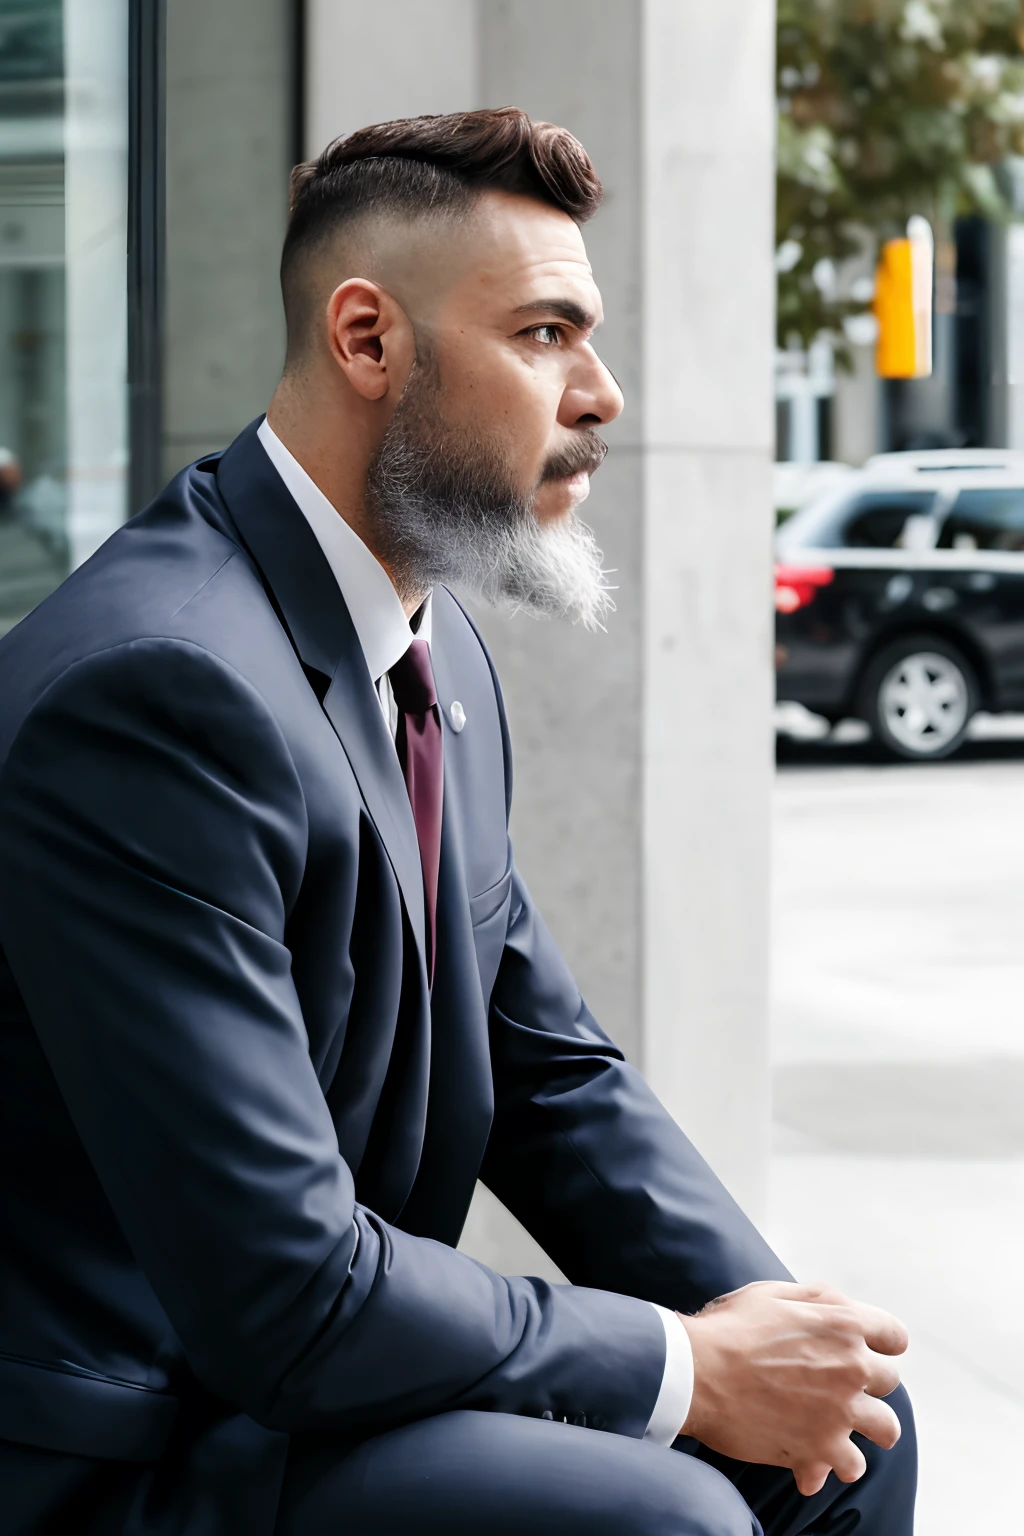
(784, 1374)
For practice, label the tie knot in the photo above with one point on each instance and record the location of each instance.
(412, 680)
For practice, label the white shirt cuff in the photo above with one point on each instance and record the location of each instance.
(676, 1392)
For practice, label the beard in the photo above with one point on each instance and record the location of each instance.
(443, 508)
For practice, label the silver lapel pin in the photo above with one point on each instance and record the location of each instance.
(458, 716)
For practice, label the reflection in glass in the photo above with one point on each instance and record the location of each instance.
(63, 179)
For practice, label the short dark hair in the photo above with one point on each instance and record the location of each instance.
(418, 166)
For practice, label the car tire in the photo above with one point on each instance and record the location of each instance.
(918, 696)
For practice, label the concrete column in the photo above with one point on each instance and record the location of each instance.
(393, 58)
(707, 109)
(230, 147)
(643, 756)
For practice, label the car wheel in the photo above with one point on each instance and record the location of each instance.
(918, 696)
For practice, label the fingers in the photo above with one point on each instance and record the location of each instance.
(810, 1477)
(883, 1377)
(848, 1463)
(882, 1332)
(876, 1422)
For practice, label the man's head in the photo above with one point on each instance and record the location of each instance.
(440, 307)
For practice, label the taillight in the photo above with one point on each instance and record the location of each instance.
(795, 585)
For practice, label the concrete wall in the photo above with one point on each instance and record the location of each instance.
(643, 757)
(368, 63)
(230, 147)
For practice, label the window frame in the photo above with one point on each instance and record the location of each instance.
(147, 31)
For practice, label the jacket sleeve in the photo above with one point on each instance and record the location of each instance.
(582, 1152)
(152, 845)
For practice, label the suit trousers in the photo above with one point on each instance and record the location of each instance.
(467, 1474)
(461, 1474)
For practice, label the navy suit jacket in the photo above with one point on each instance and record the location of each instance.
(238, 1134)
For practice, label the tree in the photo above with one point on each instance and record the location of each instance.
(886, 108)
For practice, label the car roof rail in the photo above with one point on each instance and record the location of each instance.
(946, 460)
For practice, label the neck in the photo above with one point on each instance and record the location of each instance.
(335, 454)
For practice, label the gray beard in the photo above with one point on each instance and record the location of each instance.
(443, 510)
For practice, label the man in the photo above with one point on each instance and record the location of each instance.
(274, 994)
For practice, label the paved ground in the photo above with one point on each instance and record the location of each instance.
(899, 1082)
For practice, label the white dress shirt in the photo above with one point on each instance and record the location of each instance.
(385, 634)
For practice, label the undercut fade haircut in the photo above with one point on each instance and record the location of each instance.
(426, 167)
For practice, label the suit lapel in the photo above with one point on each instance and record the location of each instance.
(353, 709)
(313, 612)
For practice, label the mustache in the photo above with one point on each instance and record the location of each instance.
(584, 453)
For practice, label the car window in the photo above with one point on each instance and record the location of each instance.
(879, 521)
(870, 520)
(991, 518)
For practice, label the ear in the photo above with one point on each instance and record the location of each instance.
(370, 337)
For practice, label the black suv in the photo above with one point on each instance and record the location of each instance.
(900, 597)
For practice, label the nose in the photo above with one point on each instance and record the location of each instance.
(592, 397)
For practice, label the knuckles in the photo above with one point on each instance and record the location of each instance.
(845, 1322)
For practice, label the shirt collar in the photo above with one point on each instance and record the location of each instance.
(376, 611)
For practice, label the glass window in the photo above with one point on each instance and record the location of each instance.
(872, 520)
(991, 518)
(881, 521)
(63, 322)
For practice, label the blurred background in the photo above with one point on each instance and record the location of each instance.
(780, 844)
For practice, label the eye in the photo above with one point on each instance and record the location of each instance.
(547, 335)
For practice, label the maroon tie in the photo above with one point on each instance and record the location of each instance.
(420, 754)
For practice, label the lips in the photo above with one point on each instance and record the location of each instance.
(579, 484)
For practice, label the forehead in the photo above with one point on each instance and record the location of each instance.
(520, 251)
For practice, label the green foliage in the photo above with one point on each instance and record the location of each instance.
(886, 108)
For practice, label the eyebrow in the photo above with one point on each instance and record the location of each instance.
(567, 309)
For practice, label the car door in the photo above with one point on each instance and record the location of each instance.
(984, 534)
(861, 542)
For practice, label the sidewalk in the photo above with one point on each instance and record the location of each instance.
(898, 1172)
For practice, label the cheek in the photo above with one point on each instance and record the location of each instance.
(529, 426)
(519, 406)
